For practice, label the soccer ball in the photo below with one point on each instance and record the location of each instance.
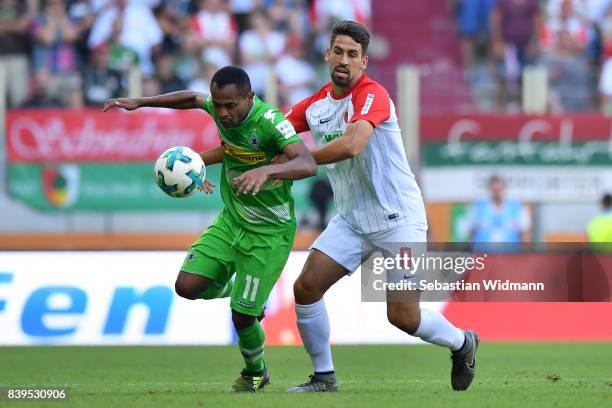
(179, 171)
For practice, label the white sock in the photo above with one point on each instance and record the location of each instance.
(313, 323)
(435, 329)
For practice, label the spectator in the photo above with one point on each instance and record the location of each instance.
(566, 29)
(600, 227)
(565, 41)
(298, 24)
(82, 15)
(242, 10)
(515, 25)
(260, 47)
(168, 21)
(121, 57)
(41, 95)
(54, 35)
(139, 30)
(16, 19)
(282, 12)
(295, 75)
(473, 28)
(182, 7)
(151, 87)
(592, 13)
(325, 13)
(100, 83)
(215, 31)
(168, 80)
(499, 219)
(201, 82)
(54, 52)
(188, 59)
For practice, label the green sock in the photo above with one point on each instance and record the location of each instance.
(251, 342)
(215, 290)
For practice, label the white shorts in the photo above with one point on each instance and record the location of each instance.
(350, 248)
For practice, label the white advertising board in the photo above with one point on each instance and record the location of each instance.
(98, 298)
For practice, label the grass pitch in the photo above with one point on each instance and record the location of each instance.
(508, 375)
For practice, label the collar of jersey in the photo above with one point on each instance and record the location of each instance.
(348, 91)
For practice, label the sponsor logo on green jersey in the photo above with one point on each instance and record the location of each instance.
(244, 156)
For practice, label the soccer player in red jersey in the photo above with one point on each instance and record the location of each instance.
(353, 122)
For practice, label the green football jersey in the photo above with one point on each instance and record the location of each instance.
(251, 144)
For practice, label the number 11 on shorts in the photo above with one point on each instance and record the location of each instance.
(247, 288)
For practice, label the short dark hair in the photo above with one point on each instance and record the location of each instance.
(356, 31)
(232, 75)
(606, 201)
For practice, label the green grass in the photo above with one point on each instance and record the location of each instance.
(508, 375)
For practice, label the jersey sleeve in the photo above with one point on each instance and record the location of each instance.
(207, 105)
(372, 104)
(280, 130)
(297, 116)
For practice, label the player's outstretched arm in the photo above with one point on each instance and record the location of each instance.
(300, 165)
(173, 100)
(352, 142)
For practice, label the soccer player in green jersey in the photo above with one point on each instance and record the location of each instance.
(253, 235)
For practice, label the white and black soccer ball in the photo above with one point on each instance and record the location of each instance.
(179, 171)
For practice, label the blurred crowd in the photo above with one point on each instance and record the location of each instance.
(572, 39)
(76, 53)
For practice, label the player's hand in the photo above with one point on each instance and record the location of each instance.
(207, 187)
(250, 181)
(125, 103)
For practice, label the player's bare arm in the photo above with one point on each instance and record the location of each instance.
(351, 144)
(300, 165)
(212, 156)
(173, 100)
(209, 157)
